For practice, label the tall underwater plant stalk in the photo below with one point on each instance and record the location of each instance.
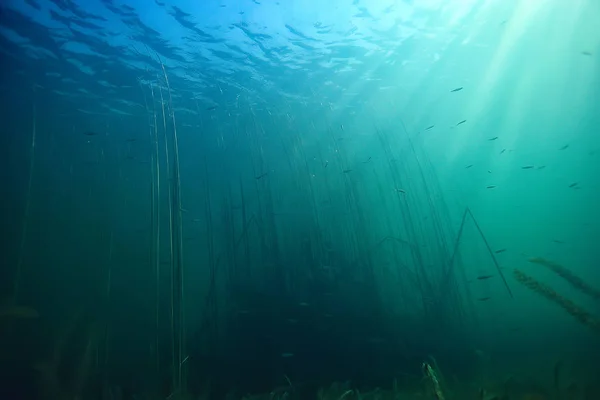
(442, 305)
(212, 297)
(156, 224)
(228, 222)
(260, 217)
(154, 216)
(465, 307)
(174, 229)
(24, 229)
(270, 244)
(107, 326)
(341, 164)
(171, 238)
(429, 300)
(311, 193)
(487, 245)
(177, 245)
(244, 231)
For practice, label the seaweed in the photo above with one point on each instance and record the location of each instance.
(569, 306)
(575, 281)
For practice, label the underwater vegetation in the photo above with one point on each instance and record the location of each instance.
(72, 369)
(294, 287)
(580, 314)
(277, 258)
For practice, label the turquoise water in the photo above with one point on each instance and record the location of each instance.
(216, 199)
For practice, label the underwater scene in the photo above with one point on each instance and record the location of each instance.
(301, 199)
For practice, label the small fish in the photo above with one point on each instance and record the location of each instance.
(461, 122)
(500, 251)
(566, 146)
(261, 176)
(131, 140)
(484, 298)
(558, 241)
(326, 164)
(429, 127)
(400, 191)
(527, 167)
(90, 133)
(211, 108)
(468, 166)
(490, 186)
(287, 355)
(369, 159)
(342, 126)
(494, 138)
(346, 171)
(503, 150)
(572, 185)
(541, 167)
(458, 89)
(586, 53)
(484, 277)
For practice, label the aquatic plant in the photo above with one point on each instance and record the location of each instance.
(468, 213)
(175, 235)
(432, 376)
(156, 215)
(569, 306)
(177, 250)
(575, 281)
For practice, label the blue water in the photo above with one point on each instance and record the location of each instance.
(221, 198)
